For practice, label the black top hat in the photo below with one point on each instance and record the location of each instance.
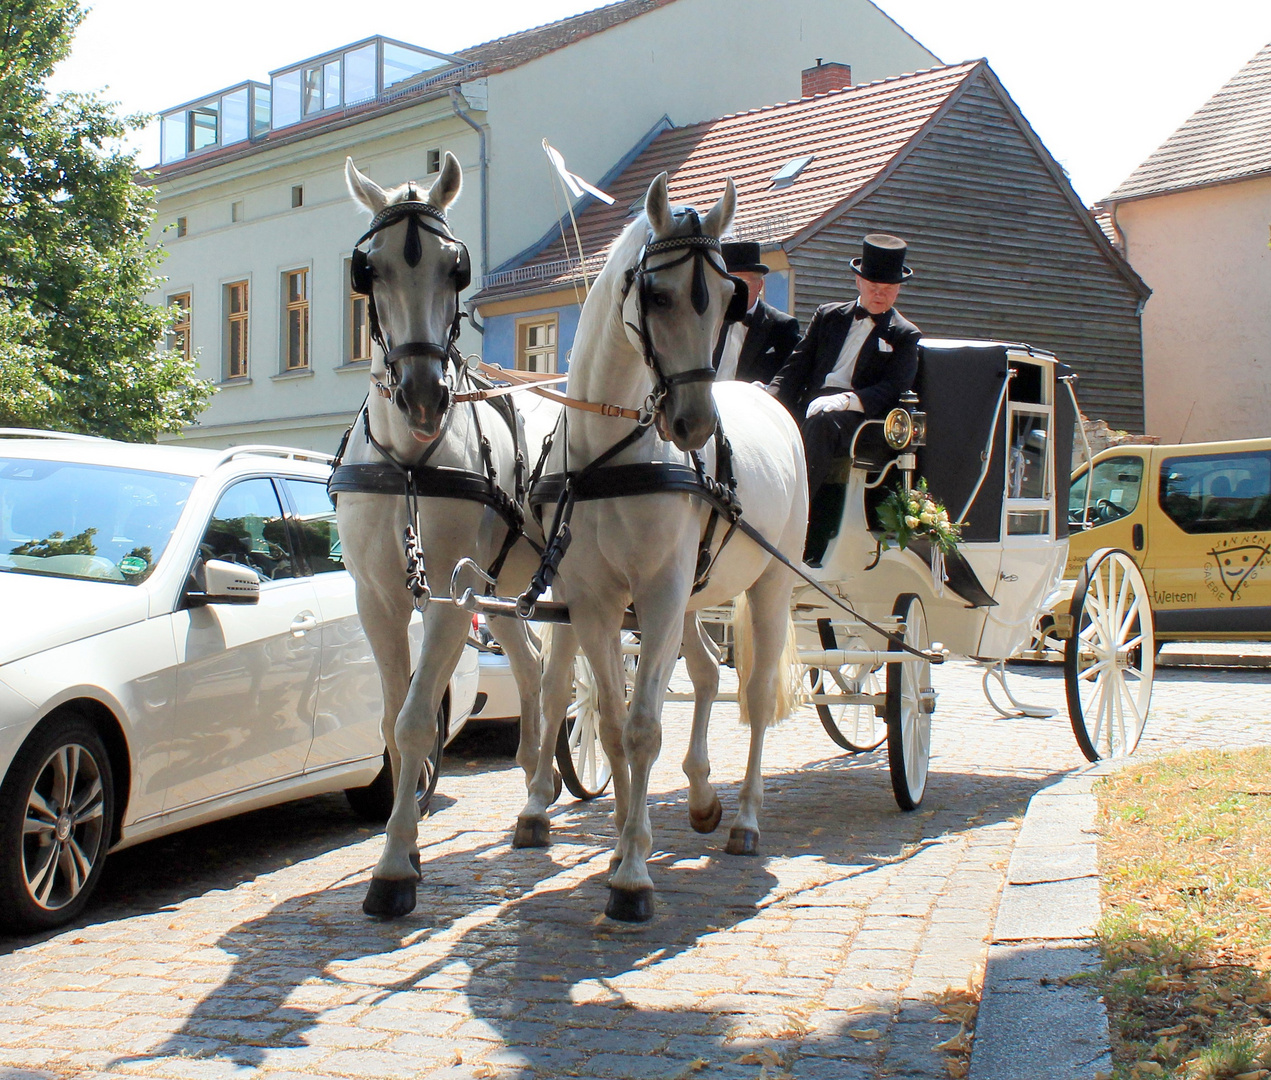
(742, 256)
(883, 260)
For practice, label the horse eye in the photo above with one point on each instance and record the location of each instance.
(660, 299)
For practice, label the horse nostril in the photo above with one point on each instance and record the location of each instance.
(681, 429)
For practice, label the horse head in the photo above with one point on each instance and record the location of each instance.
(674, 313)
(413, 270)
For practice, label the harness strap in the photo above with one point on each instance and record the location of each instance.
(436, 482)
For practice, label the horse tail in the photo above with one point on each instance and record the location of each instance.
(789, 688)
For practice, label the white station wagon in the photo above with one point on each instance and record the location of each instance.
(179, 643)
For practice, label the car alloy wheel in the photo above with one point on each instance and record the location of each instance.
(56, 809)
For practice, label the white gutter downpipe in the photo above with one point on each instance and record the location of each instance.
(480, 129)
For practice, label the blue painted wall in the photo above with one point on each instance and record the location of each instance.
(498, 344)
(776, 289)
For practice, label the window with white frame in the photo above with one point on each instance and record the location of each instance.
(536, 343)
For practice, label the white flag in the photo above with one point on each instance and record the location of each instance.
(576, 184)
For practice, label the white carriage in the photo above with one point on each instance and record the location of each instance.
(990, 429)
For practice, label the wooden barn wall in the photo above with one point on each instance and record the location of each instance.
(997, 252)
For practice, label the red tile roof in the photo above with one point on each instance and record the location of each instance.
(1228, 138)
(853, 135)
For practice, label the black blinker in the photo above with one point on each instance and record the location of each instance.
(700, 296)
(414, 249)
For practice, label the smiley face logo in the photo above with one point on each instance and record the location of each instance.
(1237, 564)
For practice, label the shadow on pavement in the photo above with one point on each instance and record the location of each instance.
(529, 967)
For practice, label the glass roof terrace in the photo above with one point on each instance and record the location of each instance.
(232, 115)
(350, 76)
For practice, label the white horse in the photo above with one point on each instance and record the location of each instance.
(414, 270)
(650, 323)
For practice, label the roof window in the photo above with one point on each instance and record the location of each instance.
(789, 172)
(234, 115)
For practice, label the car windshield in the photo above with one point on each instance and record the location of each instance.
(86, 521)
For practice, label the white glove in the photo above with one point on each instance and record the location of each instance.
(829, 403)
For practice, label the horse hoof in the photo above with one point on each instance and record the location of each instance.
(709, 821)
(742, 841)
(389, 898)
(531, 832)
(630, 905)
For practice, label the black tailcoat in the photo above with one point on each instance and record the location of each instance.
(770, 337)
(885, 367)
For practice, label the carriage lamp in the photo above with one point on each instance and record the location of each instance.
(898, 429)
(917, 418)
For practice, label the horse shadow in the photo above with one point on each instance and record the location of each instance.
(515, 942)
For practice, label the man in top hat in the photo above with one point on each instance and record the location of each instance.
(855, 361)
(755, 348)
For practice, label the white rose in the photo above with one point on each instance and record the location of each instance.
(911, 521)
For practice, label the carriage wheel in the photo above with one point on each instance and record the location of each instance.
(1110, 659)
(856, 728)
(909, 707)
(580, 755)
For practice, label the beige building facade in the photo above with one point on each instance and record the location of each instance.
(1194, 220)
(1207, 326)
(258, 229)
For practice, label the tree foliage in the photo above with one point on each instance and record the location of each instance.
(80, 347)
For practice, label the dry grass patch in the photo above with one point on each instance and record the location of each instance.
(1185, 859)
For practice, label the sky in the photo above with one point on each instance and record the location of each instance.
(1103, 82)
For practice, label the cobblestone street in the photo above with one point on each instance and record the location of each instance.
(240, 949)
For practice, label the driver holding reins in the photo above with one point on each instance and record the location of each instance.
(855, 361)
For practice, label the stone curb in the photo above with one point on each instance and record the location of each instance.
(1032, 1025)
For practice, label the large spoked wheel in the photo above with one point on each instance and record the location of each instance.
(375, 801)
(580, 755)
(909, 704)
(856, 728)
(56, 809)
(1111, 657)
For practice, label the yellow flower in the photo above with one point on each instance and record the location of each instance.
(911, 521)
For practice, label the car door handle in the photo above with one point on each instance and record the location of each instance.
(303, 623)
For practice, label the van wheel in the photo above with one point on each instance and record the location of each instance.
(375, 801)
(56, 809)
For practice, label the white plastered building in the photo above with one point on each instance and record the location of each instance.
(258, 227)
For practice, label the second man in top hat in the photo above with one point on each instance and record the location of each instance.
(755, 348)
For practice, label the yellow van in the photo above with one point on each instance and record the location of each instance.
(1197, 519)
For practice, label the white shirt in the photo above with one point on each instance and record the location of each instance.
(845, 366)
(732, 346)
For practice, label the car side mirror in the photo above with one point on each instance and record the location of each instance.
(219, 582)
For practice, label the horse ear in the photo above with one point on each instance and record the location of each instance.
(721, 214)
(657, 207)
(446, 187)
(364, 190)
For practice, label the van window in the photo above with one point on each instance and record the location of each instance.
(1218, 492)
(1114, 492)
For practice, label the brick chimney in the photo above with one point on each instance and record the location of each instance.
(825, 78)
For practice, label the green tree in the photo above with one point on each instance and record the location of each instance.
(80, 347)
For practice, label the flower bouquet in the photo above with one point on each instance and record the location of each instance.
(912, 515)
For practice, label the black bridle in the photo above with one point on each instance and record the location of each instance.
(697, 247)
(419, 215)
